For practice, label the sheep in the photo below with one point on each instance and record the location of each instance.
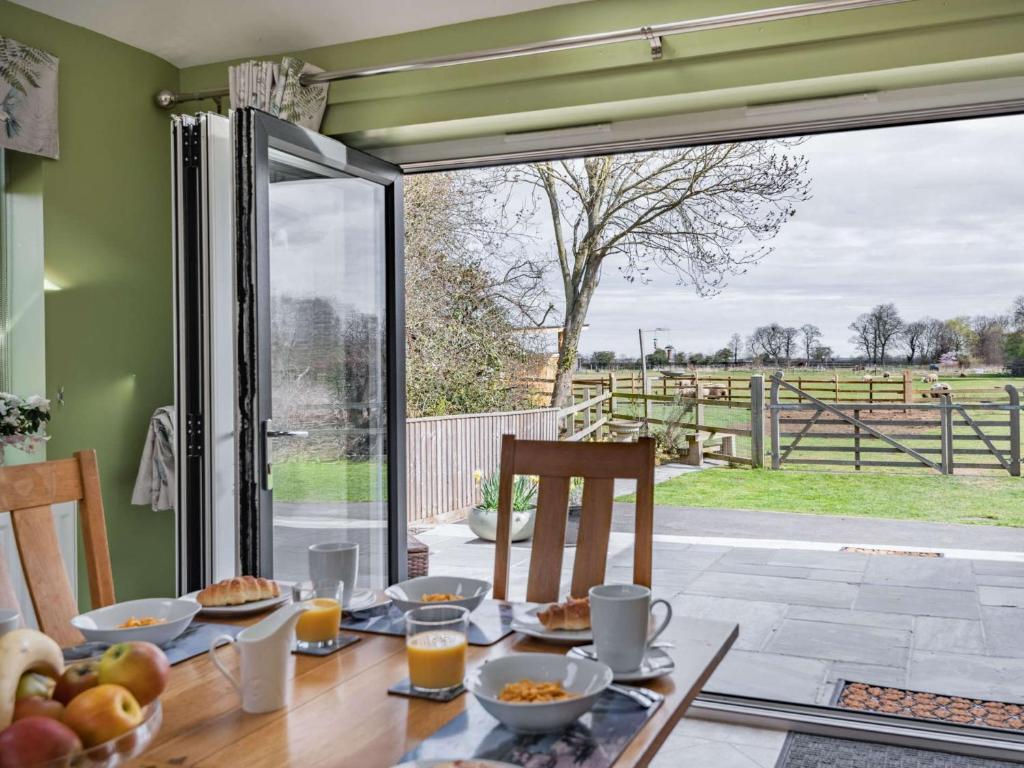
(887, 375)
(717, 393)
(930, 378)
(940, 389)
(867, 377)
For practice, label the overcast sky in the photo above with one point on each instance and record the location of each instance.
(930, 217)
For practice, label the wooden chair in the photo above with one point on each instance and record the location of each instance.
(599, 464)
(27, 491)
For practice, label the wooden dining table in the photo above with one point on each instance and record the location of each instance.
(341, 715)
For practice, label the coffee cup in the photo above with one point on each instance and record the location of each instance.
(335, 561)
(620, 617)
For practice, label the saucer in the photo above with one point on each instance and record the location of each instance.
(656, 663)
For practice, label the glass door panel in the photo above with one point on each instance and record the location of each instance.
(328, 326)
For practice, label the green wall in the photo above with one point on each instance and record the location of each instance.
(106, 219)
(922, 42)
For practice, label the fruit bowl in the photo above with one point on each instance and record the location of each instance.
(116, 751)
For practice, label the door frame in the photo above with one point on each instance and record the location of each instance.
(255, 134)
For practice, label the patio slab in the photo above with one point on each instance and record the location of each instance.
(775, 589)
(918, 601)
(841, 642)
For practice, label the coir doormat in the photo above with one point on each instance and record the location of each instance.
(930, 706)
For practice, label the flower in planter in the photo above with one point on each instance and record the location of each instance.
(23, 422)
(524, 491)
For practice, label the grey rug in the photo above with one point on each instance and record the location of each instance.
(805, 751)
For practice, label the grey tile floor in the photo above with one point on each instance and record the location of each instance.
(808, 618)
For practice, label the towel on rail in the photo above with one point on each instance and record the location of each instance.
(155, 484)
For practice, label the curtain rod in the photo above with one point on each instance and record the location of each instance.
(651, 33)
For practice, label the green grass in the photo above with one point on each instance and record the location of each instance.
(305, 481)
(938, 499)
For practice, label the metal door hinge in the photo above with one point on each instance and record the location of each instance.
(193, 435)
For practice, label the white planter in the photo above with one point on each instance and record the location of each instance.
(484, 523)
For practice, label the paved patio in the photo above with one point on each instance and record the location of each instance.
(810, 615)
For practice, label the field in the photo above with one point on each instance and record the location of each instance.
(933, 498)
(311, 481)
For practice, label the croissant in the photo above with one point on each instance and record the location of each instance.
(236, 591)
(572, 614)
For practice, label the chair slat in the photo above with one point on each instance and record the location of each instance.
(595, 533)
(550, 458)
(548, 540)
(503, 545)
(41, 561)
(94, 532)
(643, 545)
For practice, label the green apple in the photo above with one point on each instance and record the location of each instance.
(142, 668)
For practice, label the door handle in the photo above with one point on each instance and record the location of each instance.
(266, 433)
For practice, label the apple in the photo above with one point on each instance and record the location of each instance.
(35, 740)
(78, 678)
(34, 684)
(142, 668)
(102, 713)
(37, 706)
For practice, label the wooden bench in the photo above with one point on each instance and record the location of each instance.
(698, 443)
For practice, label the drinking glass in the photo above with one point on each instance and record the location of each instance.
(319, 626)
(435, 644)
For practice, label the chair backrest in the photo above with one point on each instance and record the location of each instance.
(556, 463)
(28, 491)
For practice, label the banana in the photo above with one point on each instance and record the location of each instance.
(24, 650)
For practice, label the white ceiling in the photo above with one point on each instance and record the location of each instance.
(190, 32)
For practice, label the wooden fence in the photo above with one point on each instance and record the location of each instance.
(443, 452)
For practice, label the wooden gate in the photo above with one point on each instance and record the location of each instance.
(942, 436)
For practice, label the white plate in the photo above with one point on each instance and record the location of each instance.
(244, 609)
(656, 663)
(102, 624)
(362, 598)
(528, 623)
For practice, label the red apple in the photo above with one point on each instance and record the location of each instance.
(80, 677)
(36, 740)
(142, 668)
(37, 706)
(34, 684)
(102, 713)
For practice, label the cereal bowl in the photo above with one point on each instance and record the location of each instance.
(583, 679)
(410, 594)
(105, 625)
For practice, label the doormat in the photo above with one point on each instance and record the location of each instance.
(898, 552)
(802, 750)
(930, 706)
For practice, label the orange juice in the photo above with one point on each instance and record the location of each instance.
(320, 623)
(437, 658)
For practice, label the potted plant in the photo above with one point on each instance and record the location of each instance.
(22, 422)
(483, 518)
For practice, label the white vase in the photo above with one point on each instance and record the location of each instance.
(484, 523)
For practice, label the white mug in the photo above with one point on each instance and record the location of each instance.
(9, 620)
(265, 651)
(335, 561)
(620, 615)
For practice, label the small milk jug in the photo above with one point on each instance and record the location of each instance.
(264, 649)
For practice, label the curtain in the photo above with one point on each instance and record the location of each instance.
(275, 88)
(28, 99)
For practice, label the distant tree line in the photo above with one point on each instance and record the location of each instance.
(880, 336)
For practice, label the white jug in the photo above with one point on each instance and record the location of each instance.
(264, 649)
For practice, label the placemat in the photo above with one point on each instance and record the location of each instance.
(487, 624)
(192, 642)
(594, 741)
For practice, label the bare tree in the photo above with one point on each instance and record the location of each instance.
(875, 330)
(810, 333)
(989, 333)
(769, 342)
(913, 336)
(688, 212)
(1017, 314)
(788, 343)
(735, 347)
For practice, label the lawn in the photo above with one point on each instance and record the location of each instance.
(938, 499)
(301, 481)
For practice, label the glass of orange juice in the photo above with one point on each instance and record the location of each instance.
(319, 626)
(435, 644)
